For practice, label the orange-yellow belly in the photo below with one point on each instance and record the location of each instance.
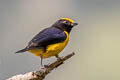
(52, 49)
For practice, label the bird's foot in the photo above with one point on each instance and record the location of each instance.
(46, 66)
(59, 58)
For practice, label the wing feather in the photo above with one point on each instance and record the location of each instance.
(46, 37)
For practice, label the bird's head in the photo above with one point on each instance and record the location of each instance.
(65, 24)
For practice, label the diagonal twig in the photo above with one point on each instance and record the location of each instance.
(41, 74)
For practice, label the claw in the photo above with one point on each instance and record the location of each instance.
(46, 66)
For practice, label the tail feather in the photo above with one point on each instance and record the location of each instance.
(21, 51)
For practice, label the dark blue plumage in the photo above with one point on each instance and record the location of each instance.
(49, 33)
(48, 36)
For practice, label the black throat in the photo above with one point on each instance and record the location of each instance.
(67, 28)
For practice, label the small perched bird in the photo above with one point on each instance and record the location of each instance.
(52, 40)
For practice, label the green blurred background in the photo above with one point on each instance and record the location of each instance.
(96, 40)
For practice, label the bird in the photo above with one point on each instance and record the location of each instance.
(52, 40)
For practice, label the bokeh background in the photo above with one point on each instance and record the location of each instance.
(96, 40)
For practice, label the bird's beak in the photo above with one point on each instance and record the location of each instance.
(74, 24)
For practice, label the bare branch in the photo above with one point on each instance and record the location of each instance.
(41, 74)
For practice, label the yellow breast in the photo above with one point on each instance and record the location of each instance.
(52, 49)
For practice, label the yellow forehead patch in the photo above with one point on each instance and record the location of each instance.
(68, 19)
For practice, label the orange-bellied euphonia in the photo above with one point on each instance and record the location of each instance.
(52, 40)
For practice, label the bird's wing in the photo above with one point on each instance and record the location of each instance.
(46, 37)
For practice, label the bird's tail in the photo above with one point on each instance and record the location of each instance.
(21, 51)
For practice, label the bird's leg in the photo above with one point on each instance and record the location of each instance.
(43, 66)
(57, 56)
(60, 59)
(41, 60)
